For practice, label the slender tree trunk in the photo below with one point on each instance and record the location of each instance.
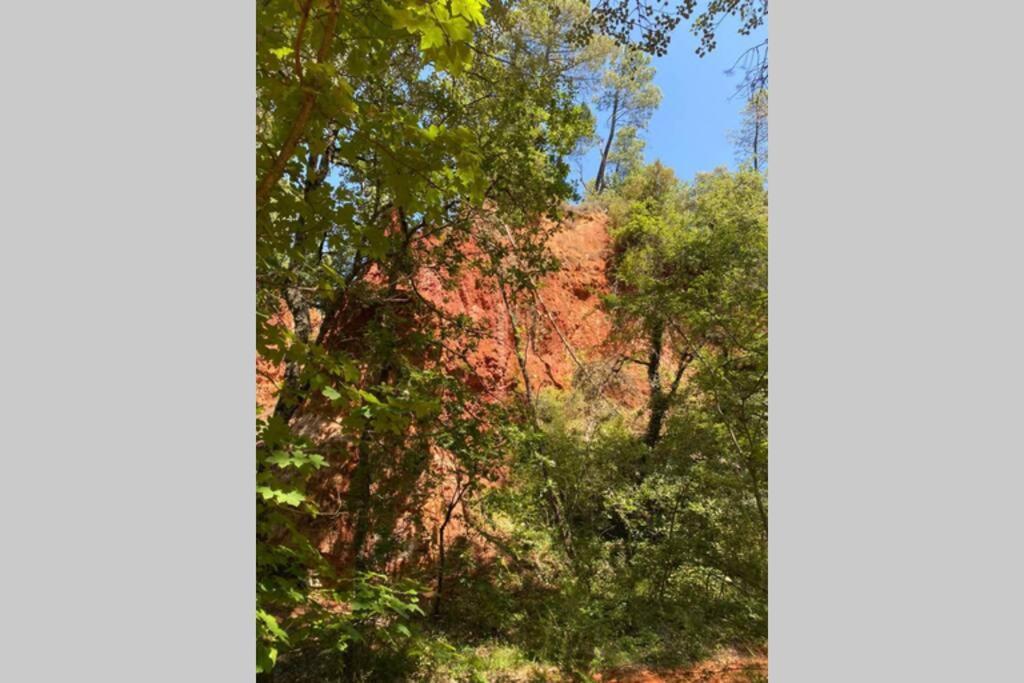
(756, 490)
(543, 308)
(359, 500)
(293, 388)
(441, 547)
(748, 461)
(757, 134)
(599, 182)
(658, 402)
(436, 612)
(290, 396)
(517, 343)
(552, 496)
(359, 491)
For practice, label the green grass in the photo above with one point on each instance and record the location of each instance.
(494, 662)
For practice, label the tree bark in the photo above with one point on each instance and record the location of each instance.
(599, 182)
(359, 491)
(289, 400)
(460, 490)
(660, 400)
(657, 403)
(516, 342)
(757, 134)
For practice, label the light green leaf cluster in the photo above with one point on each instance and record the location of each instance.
(445, 29)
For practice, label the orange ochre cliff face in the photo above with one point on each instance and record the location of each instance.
(565, 330)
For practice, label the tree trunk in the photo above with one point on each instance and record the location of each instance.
(290, 397)
(436, 612)
(440, 547)
(551, 495)
(756, 490)
(599, 182)
(359, 491)
(359, 501)
(757, 134)
(520, 351)
(658, 402)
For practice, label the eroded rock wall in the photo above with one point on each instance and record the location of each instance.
(562, 330)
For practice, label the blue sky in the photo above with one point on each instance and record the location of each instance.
(689, 131)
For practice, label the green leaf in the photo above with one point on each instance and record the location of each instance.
(369, 398)
(431, 37)
(470, 9)
(266, 657)
(271, 623)
(293, 498)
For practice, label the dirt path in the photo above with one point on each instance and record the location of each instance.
(727, 668)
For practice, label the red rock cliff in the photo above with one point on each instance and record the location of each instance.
(565, 329)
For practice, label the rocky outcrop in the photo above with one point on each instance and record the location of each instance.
(564, 329)
(560, 328)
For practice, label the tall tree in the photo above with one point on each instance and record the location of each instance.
(629, 95)
(681, 251)
(751, 139)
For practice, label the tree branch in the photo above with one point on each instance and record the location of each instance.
(298, 128)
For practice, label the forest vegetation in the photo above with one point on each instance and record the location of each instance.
(415, 522)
